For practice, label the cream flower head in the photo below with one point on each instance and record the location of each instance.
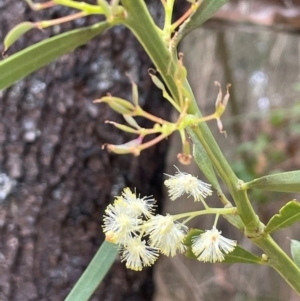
(166, 234)
(183, 182)
(137, 254)
(211, 246)
(123, 220)
(138, 205)
(120, 224)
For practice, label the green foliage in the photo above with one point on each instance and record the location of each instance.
(288, 215)
(94, 273)
(36, 56)
(284, 182)
(295, 250)
(238, 255)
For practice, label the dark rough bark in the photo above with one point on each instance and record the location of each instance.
(50, 149)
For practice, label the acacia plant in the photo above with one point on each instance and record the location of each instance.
(131, 216)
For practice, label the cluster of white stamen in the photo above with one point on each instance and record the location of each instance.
(130, 218)
(212, 246)
(183, 182)
(137, 254)
(120, 223)
(138, 205)
(166, 234)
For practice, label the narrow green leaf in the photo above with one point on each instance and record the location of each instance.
(203, 161)
(36, 56)
(15, 33)
(295, 250)
(94, 273)
(206, 9)
(284, 182)
(238, 255)
(288, 215)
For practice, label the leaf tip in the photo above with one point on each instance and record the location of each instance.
(15, 33)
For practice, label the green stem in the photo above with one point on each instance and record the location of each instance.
(216, 220)
(279, 261)
(217, 211)
(168, 6)
(47, 23)
(142, 25)
(150, 36)
(88, 8)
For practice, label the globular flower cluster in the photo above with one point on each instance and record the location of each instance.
(183, 182)
(130, 219)
(211, 246)
(141, 235)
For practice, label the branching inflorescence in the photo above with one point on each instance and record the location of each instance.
(141, 235)
(161, 127)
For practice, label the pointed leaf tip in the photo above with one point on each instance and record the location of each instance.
(15, 33)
